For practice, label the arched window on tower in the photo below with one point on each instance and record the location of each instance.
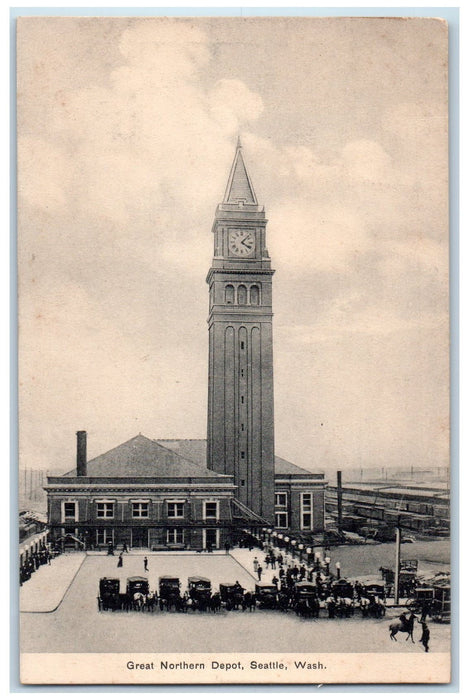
(229, 294)
(254, 294)
(242, 294)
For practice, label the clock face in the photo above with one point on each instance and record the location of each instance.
(241, 243)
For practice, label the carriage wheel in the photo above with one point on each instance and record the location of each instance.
(412, 605)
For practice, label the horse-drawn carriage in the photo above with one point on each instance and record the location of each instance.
(109, 596)
(407, 579)
(434, 601)
(136, 592)
(372, 603)
(231, 595)
(305, 599)
(267, 595)
(169, 592)
(442, 603)
(199, 590)
(342, 588)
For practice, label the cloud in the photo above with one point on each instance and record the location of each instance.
(151, 140)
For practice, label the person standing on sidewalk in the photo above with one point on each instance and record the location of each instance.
(255, 565)
(145, 564)
(259, 572)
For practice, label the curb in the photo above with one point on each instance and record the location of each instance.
(47, 612)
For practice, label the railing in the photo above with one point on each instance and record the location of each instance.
(245, 511)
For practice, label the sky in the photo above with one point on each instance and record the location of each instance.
(127, 129)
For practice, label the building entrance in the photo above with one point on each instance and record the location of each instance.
(139, 537)
(210, 538)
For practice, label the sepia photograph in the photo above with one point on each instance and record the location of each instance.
(233, 353)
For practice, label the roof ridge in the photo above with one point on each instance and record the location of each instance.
(191, 461)
(103, 454)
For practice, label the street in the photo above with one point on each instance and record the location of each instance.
(77, 626)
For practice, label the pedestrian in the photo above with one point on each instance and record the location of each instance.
(145, 564)
(425, 638)
(274, 580)
(280, 560)
(255, 564)
(425, 611)
(227, 547)
(267, 561)
(124, 547)
(259, 572)
(120, 562)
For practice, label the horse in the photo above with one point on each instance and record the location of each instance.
(138, 601)
(151, 601)
(249, 601)
(215, 602)
(403, 624)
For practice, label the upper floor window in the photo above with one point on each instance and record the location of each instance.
(281, 499)
(210, 509)
(175, 509)
(306, 511)
(70, 510)
(140, 510)
(229, 294)
(242, 294)
(105, 510)
(254, 295)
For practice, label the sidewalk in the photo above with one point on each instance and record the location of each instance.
(245, 557)
(44, 591)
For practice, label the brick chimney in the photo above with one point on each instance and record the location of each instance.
(81, 453)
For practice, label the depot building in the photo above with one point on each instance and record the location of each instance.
(157, 493)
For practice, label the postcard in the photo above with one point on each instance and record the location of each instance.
(233, 350)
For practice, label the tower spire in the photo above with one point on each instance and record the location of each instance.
(239, 189)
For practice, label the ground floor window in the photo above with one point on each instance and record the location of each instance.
(104, 535)
(281, 519)
(175, 535)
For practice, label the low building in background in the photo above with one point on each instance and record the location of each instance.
(158, 494)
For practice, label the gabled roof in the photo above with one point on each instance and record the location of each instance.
(196, 451)
(282, 466)
(239, 187)
(141, 456)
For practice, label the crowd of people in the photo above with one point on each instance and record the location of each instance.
(34, 561)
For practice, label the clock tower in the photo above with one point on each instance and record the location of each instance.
(240, 436)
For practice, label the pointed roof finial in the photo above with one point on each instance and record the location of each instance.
(239, 187)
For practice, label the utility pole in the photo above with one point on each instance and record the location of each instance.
(398, 563)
